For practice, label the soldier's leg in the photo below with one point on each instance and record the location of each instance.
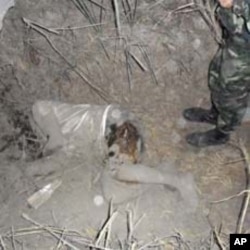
(198, 114)
(229, 95)
(214, 136)
(231, 104)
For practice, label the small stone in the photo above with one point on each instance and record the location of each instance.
(98, 200)
(196, 43)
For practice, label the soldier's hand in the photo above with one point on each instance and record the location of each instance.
(226, 3)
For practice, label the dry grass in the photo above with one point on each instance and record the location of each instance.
(104, 238)
(207, 11)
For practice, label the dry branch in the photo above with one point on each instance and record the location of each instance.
(246, 192)
(129, 10)
(108, 233)
(60, 241)
(96, 89)
(12, 238)
(104, 228)
(98, 4)
(207, 11)
(2, 244)
(246, 199)
(78, 27)
(128, 67)
(232, 196)
(138, 62)
(218, 240)
(26, 217)
(184, 7)
(83, 8)
(148, 61)
(117, 18)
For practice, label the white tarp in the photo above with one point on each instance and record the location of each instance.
(4, 6)
(78, 128)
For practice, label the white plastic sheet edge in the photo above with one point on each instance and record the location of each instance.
(4, 6)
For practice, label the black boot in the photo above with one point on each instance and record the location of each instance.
(209, 138)
(201, 115)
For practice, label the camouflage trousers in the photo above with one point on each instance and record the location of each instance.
(229, 83)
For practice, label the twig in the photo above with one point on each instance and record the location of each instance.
(26, 217)
(126, 9)
(185, 11)
(117, 18)
(139, 220)
(97, 4)
(180, 240)
(134, 11)
(185, 6)
(155, 241)
(148, 61)
(94, 247)
(38, 230)
(218, 240)
(246, 199)
(207, 12)
(155, 4)
(138, 62)
(60, 242)
(129, 11)
(83, 8)
(79, 27)
(108, 233)
(130, 225)
(2, 244)
(38, 25)
(101, 13)
(104, 228)
(232, 162)
(211, 239)
(128, 68)
(98, 90)
(12, 238)
(232, 196)
(25, 231)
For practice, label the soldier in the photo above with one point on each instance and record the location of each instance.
(228, 77)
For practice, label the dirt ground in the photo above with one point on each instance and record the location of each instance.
(151, 57)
